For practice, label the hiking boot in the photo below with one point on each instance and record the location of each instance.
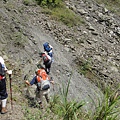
(4, 110)
(40, 105)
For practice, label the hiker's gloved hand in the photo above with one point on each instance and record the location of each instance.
(52, 82)
(9, 72)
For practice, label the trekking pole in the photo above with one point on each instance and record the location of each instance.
(11, 91)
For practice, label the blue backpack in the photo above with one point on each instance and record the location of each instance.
(46, 47)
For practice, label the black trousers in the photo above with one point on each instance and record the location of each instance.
(48, 66)
(3, 91)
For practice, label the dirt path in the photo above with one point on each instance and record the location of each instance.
(64, 69)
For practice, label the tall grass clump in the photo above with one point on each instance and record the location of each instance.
(63, 108)
(109, 108)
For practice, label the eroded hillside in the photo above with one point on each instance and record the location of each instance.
(23, 30)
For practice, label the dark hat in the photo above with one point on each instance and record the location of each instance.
(40, 54)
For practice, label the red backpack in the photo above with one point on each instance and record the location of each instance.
(43, 80)
(45, 58)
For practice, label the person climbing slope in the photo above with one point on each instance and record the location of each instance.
(46, 61)
(42, 81)
(3, 91)
(49, 49)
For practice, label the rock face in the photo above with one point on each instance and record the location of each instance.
(98, 41)
(23, 30)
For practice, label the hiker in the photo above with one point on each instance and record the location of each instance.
(46, 61)
(42, 81)
(49, 49)
(3, 91)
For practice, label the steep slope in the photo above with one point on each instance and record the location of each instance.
(23, 31)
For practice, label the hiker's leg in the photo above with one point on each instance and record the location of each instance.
(41, 99)
(46, 97)
(46, 92)
(46, 68)
(39, 96)
(3, 96)
(49, 66)
(4, 110)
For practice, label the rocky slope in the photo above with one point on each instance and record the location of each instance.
(23, 30)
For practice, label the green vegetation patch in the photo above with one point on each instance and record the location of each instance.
(67, 16)
(59, 12)
(112, 5)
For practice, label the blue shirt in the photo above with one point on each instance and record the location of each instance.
(34, 81)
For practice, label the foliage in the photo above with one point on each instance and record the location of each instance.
(26, 2)
(109, 108)
(48, 2)
(67, 16)
(63, 109)
(68, 110)
(30, 115)
(59, 12)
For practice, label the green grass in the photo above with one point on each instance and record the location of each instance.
(112, 5)
(67, 16)
(62, 108)
(109, 108)
(59, 12)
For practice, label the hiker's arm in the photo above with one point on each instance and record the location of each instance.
(32, 82)
(52, 82)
